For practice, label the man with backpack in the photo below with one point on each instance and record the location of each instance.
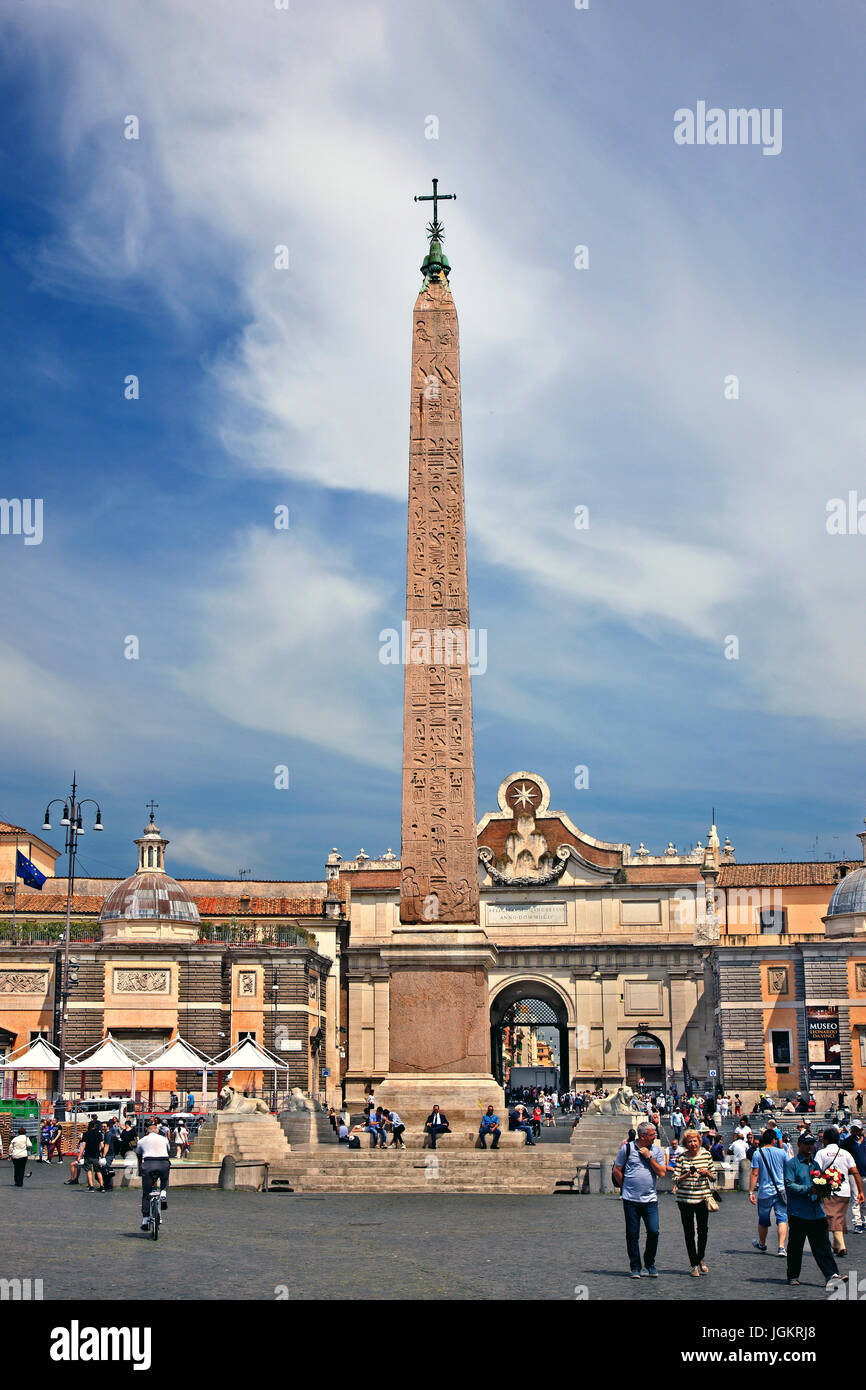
(638, 1166)
(767, 1190)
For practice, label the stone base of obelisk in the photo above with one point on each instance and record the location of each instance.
(439, 1025)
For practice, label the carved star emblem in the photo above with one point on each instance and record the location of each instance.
(523, 794)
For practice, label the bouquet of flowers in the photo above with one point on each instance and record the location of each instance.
(827, 1182)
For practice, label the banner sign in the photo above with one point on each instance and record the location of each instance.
(825, 1049)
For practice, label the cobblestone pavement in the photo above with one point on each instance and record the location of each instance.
(244, 1245)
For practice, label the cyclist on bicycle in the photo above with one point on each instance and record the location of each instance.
(154, 1165)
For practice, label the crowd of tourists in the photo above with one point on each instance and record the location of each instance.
(803, 1181)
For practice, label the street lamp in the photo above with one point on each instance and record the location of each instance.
(275, 992)
(72, 820)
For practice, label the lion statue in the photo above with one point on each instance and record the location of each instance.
(236, 1103)
(622, 1102)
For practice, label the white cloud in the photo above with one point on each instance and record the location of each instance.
(305, 128)
(288, 644)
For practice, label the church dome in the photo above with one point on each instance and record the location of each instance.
(849, 895)
(149, 895)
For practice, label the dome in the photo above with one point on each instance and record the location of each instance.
(151, 897)
(849, 895)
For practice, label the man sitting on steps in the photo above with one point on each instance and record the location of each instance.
(437, 1124)
(490, 1125)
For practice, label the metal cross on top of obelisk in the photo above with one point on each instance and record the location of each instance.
(435, 228)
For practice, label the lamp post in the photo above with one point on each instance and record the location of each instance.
(275, 991)
(72, 820)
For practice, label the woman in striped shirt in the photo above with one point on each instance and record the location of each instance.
(694, 1180)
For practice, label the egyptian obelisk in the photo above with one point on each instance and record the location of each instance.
(438, 956)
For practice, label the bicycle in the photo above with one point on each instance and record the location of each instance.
(154, 1216)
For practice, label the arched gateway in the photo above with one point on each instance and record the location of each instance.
(529, 1022)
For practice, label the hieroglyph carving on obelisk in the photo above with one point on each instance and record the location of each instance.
(439, 850)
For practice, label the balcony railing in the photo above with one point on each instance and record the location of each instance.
(47, 933)
(234, 934)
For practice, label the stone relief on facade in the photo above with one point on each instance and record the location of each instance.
(142, 981)
(528, 861)
(23, 981)
(861, 977)
(777, 979)
(246, 982)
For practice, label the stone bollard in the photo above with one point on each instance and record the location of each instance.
(227, 1174)
(605, 1171)
(593, 1175)
(743, 1175)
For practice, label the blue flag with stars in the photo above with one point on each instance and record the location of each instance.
(26, 869)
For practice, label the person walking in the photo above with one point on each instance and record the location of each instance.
(806, 1219)
(738, 1105)
(832, 1158)
(678, 1123)
(181, 1136)
(490, 1125)
(637, 1168)
(858, 1101)
(55, 1142)
(44, 1142)
(19, 1152)
(855, 1145)
(694, 1180)
(767, 1190)
(90, 1151)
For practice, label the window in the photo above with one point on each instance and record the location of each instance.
(863, 1047)
(780, 1047)
(37, 1033)
(772, 920)
(246, 1037)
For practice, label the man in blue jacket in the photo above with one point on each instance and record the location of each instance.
(806, 1219)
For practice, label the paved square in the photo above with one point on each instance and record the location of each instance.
(219, 1245)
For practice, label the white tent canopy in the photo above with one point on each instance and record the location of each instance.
(178, 1055)
(106, 1056)
(36, 1056)
(248, 1056)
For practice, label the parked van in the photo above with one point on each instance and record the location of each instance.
(103, 1107)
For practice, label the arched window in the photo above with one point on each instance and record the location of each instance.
(150, 857)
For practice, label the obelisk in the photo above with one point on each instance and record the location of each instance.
(439, 849)
(438, 956)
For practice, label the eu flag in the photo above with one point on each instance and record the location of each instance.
(26, 869)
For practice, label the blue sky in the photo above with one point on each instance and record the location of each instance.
(602, 387)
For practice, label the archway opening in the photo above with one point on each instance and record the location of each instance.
(645, 1062)
(529, 1037)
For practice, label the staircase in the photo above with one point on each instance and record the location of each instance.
(308, 1125)
(504, 1171)
(247, 1138)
